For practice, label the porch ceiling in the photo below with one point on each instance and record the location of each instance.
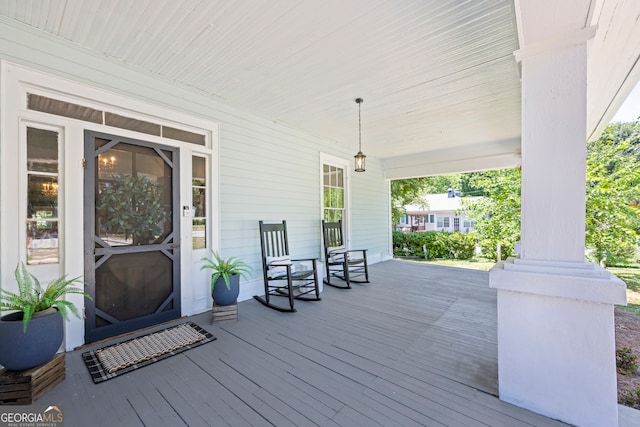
(438, 78)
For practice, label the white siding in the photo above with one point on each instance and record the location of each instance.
(370, 217)
(267, 170)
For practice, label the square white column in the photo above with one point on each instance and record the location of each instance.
(556, 340)
(556, 337)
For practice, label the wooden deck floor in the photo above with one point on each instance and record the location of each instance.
(416, 346)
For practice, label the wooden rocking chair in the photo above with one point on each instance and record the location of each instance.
(281, 277)
(340, 262)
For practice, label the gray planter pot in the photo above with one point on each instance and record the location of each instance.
(223, 296)
(19, 350)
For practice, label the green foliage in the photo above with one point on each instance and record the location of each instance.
(613, 177)
(224, 267)
(400, 243)
(626, 361)
(631, 398)
(465, 183)
(441, 184)
(631, 277)
(31, 297)
(462, 245)
(404, 192)
(497, 215)
(438, 244)
(489, 248)
(132, 205)
(612, 199)
(408, 191)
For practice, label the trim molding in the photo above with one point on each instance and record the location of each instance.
(556, 43)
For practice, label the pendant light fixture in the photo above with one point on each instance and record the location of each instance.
(359, 157)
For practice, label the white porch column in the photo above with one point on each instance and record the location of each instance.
(556, 340)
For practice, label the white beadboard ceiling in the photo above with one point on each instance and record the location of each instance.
(436, 75)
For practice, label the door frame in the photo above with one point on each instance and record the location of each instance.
(17, 82)
(92, 333)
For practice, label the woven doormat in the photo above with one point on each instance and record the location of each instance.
(117, 359)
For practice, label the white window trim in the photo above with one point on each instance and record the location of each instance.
(328, 159)
(208, 220)
(41, 270)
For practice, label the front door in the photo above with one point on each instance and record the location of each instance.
(132, 254)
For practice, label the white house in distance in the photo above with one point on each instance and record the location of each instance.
(440, 212)
(246, 111)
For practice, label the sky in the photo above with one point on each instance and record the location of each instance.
(630, 110)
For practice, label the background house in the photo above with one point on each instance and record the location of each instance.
(439, 212)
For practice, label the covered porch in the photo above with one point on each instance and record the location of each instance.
(267, 95)
(416, 346)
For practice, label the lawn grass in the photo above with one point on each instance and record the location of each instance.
(475, 264)
(631, 276)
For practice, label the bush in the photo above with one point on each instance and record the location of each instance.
(631, 398)
(488, 249)
(623, 253)
(399, 243)
(438, 244)
(626, 361)
(461, 246)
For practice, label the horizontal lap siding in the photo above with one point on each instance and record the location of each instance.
(267, 171)
(370, 211)
(269, 175)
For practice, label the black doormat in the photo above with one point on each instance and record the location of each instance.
(117, 359)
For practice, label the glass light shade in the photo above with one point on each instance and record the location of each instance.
(359, 161)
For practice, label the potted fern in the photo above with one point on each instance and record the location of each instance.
(32, 333)
(225, 280)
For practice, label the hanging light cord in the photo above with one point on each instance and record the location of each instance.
(359, 128)
(359, 101)
(359, 157)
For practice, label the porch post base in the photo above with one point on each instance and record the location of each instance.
(556, 339)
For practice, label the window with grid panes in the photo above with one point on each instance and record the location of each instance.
(42, 197)
(333, 193)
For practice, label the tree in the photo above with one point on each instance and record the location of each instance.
(441, 184)
(497, 214)
(612, 198)
(408, 191)
(613, 179)
(404, 192)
